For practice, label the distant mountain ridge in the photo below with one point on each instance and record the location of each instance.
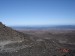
(45, 27)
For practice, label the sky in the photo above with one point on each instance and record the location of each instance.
(37, 12)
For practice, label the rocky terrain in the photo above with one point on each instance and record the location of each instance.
(36, 43)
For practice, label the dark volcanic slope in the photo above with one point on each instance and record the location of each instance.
(14, 43)
(7, 33)
(11, 40)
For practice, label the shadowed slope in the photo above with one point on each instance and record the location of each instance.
(7, 33)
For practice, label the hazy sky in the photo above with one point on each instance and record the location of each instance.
(37, 12)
